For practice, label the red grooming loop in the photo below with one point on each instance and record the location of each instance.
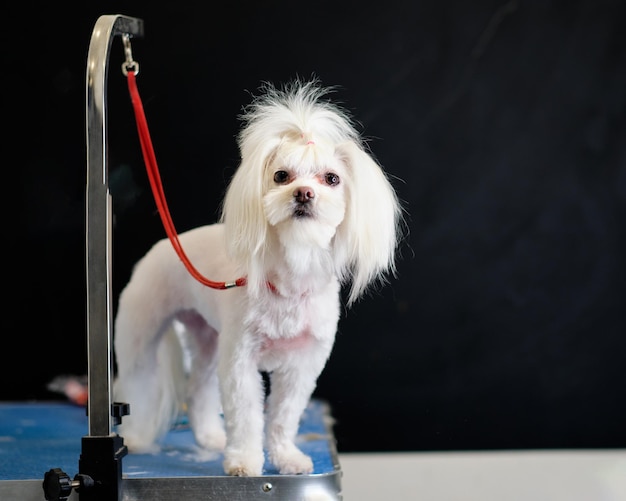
(130, 68)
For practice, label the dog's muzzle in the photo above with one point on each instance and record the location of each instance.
(303, 199)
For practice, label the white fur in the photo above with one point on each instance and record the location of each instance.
(348, 236)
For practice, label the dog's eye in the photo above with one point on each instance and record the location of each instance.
(281, 176)
(331, 179)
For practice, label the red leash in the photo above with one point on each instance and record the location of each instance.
(157, 189)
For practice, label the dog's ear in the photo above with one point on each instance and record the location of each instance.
(366, 240)
(242, 210)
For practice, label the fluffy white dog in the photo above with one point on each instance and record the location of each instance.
(307, 211)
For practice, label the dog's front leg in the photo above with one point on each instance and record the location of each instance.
(291, 389)
(243, 395)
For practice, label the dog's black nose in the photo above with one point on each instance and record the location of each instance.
(303, 194)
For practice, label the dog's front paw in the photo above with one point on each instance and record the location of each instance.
(243, 464)
(291, 461)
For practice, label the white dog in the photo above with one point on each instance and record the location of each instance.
(307, 211)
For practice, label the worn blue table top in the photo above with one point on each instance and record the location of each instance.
(35, 437)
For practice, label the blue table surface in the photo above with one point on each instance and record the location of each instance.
(38, 436)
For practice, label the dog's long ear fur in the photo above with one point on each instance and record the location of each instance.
(242, 211)
(368, 236)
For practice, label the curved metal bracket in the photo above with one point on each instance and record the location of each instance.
(99, 221)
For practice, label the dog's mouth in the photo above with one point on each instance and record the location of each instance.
(302, 211)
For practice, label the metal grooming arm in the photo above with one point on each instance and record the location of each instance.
(101, 445)
(99, 222)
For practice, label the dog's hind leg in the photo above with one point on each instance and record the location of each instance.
(203, 397)
(148, 368)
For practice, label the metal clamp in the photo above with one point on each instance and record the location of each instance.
(130, 64)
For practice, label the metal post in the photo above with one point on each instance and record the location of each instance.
(102, 450)
(99, 221)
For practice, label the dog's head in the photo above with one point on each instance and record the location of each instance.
(306, 182)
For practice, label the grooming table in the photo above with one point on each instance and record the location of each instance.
(36, 437)
(42, 444)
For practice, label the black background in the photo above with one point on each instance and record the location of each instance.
(503, 126)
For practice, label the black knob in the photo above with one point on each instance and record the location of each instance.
(82, 481)
(57, 485)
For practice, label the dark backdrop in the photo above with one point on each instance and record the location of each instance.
(503, 125)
